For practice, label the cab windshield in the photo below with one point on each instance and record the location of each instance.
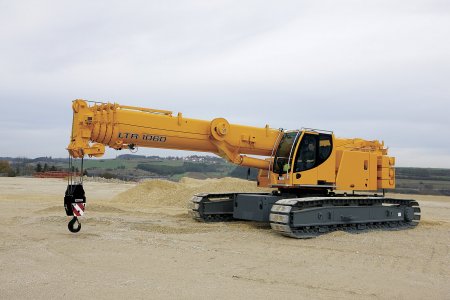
(282, 160)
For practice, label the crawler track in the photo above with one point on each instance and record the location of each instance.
(214, 207)
(328, 211)
(312, 216)
(225, 211)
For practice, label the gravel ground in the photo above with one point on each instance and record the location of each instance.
(137, 241)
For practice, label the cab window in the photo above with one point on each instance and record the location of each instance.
(313, 150)
(306, 155)
(282, 158)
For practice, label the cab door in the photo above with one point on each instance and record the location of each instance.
(281, 167)
(313, 151)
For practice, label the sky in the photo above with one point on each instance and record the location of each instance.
(367, 69)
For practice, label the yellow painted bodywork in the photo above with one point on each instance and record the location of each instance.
(121, 127)
(354, 164)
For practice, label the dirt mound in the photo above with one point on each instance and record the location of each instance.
(105, 180)
(167, 193)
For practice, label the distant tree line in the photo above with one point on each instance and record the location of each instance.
(164, 170)
(6, 169)
(172, 170)
(423, 174)
(39, 168)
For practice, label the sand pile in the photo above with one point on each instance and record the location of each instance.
(104, 180)
(178, 194)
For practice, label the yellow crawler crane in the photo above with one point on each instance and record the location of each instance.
(315, 175)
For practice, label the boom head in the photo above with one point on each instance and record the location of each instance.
(82, 127)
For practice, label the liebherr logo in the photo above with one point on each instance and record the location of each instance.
(144, 137)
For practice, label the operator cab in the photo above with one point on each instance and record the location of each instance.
(299, 155)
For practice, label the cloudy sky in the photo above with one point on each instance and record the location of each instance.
(369, 69)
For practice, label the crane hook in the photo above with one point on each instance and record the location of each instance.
(72, 227)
